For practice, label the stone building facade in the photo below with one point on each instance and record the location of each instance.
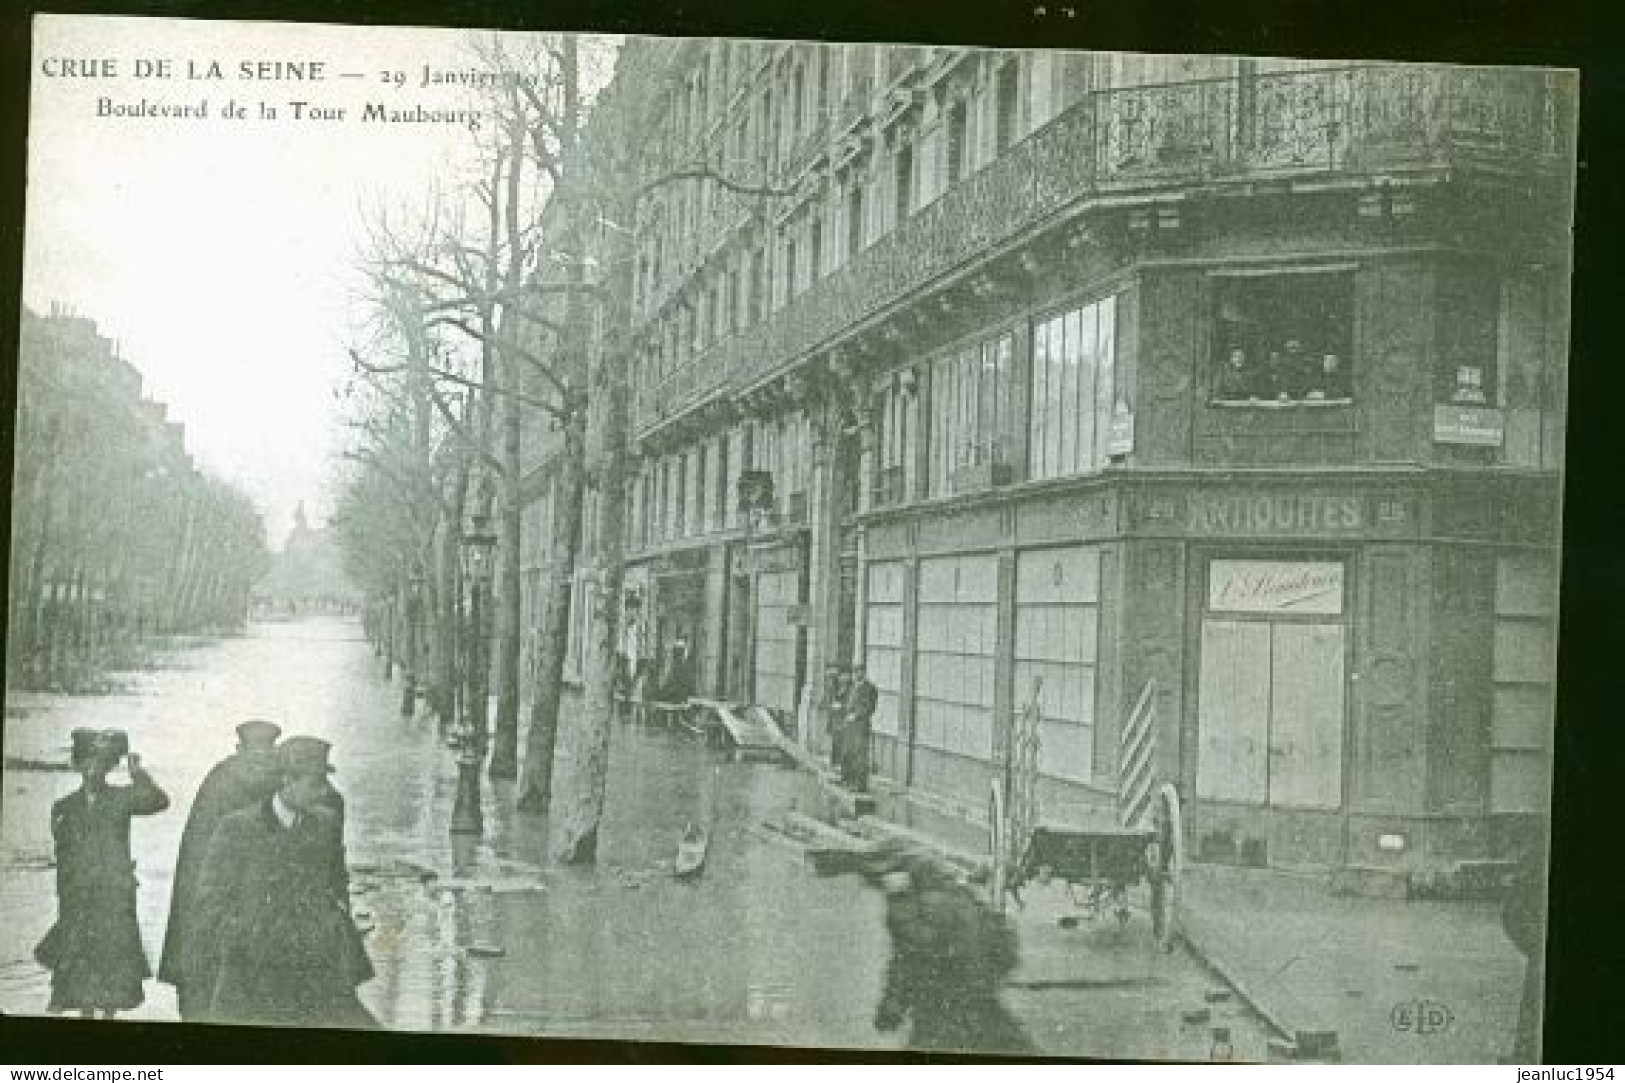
(1237, 381)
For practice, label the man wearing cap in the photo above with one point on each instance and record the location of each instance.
(274, 895)
(94, 950)
(246, 777)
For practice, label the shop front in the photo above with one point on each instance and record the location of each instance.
(1343, 674)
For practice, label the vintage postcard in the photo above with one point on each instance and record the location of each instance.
(759, 542)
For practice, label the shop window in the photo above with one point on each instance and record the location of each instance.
(1057, 608)
(956, 648)
(883, 644)
(970, 417)
(1072, 387)
(1283, 338)
(1469, 306)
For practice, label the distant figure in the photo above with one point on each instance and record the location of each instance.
(836, 686)
(274, 893)
(859, 710)
(950, 955)
(94, 950)
(246, 777)
(1523, 916)
(676, 682)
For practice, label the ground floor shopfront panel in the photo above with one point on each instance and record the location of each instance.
(1343, 673)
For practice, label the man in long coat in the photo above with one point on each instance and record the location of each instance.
(274, 893)
(94, 950)
(861, 700)
(246, 777)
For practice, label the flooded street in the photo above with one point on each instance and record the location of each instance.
(483, 935)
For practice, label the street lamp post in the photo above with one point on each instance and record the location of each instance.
(414, 611)
(478, 543)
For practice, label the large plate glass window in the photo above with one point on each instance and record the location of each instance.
(1072, 386)
(1057, 639)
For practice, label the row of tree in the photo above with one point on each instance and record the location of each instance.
(116, 536)
(503, 318)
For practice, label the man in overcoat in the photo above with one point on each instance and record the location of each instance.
(861, 699)
(274, 893)
(246, 777)
(94, 950)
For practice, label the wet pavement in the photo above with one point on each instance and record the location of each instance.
(486, 936)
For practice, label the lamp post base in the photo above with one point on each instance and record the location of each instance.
(467, 818)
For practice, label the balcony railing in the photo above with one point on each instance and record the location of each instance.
(1296, 124)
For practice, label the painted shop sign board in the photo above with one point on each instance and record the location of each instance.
(1479, 426)
(1276, 587)
(1256, 515)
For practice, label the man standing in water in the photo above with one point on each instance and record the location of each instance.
(94, 950)
(246, 777)
(274, 893)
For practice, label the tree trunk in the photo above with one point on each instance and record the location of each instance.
(576, 839)
(569, 489)
(510, 601)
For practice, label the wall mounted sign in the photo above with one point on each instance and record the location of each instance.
(1477, 426)
(1120, 434)
(1274, 514)
(1275, 587)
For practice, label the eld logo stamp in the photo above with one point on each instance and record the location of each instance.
(1421, 1017)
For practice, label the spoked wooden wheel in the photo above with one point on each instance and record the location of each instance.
(1167, 864)
(998, 849)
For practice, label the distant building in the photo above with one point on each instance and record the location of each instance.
(308, 575)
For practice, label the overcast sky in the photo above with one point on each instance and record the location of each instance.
(221, 254)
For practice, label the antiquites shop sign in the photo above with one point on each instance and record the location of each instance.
(1274, 514)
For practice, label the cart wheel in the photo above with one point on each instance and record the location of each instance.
(998, 855)
(1170, 850)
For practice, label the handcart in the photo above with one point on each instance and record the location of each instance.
(1100, 863)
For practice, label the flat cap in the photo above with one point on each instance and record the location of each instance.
(257, 731)
(303, 756)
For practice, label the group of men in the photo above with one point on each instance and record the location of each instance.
(259, 921)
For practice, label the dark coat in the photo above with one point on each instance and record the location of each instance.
(282, 947)
(861, 701)
(950, 955)
(94, 950)
(238, 781)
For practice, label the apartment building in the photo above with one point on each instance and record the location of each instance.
(1233, 383)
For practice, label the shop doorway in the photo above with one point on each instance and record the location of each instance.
(1272, 692)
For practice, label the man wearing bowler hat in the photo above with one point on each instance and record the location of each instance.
(274, 894)
(244, 778)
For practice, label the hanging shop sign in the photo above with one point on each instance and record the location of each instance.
(1276, 587)
(1476, 426)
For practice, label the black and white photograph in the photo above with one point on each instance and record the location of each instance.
(814, 544)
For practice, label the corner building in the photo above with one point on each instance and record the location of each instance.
(1241, 380)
